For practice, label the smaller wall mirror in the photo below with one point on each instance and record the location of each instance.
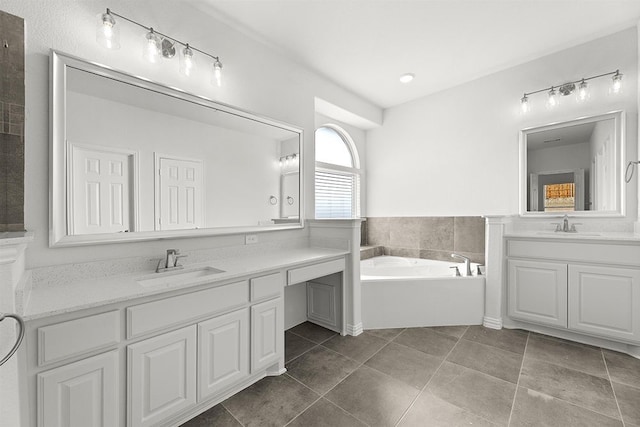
(573, 167)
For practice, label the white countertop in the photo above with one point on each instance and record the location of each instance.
(71, 296)
(580, 235)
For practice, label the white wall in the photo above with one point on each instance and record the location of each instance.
(456, 152)
(256, 79)
(564, 157)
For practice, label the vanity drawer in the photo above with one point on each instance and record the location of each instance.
(302, 274)
(583, 251)
(266, 286)
(157, 315)
(75, 337)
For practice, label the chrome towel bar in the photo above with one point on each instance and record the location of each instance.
(20, 335)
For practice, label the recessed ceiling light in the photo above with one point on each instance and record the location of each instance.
(406, 78)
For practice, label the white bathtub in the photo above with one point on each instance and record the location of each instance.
(409, 292)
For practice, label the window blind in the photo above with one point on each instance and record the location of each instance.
(335, 194)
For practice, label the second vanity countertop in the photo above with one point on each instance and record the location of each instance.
(580, 235)
(66, 297)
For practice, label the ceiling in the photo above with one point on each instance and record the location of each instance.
(365, 45)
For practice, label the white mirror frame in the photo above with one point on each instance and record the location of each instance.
(58, 156)
(619, 127)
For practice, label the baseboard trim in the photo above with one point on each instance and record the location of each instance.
(276, 373)
(492, 322)
(354, 330)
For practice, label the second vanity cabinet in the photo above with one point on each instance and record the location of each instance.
(591, 287)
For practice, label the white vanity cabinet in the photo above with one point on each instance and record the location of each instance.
(161, 376)
(537, 291)
(590, 287)
(223, 352)
(80, 394)
(267, 339)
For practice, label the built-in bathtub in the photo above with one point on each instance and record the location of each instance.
(409, 292)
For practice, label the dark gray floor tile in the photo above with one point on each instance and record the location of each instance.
(295, 345)
(387, 334)
(623, 368)
(359, 348)
(321, 369)
(532, 408)
(431, 411)
(373, 397)
(454, 331)
(629, 402)
(313, 332)
(427, 340)
(576, 387)
(506, 339)
(272, 401)
(572, 355)
(217, 416)
(490, 360)
(483, 395)
(325, 414)
(405, 364)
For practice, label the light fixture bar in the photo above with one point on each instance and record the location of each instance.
(616, 72)
(110, 12)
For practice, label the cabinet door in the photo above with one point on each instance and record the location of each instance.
(267, 334)
(537, 292)
(161, 377)
(80, 394)
(323, 305)
(605, 301)
(223, 352)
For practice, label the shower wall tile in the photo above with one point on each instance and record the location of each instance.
(378, 231)
(437, 233)
(12, 117)
(468, 234)
(404, 232)
(428, 237)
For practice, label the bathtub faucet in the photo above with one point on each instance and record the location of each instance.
(467, 263)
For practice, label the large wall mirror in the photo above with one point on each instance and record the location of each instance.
(135, 160)
(573, 167)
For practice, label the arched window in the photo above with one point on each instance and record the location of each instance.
(337, 174)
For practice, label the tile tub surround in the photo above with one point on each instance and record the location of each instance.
(443, 376)
(429, 237)
(12, 111)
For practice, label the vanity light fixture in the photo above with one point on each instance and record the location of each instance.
(565, 89)
(289, 160)
(156, 45)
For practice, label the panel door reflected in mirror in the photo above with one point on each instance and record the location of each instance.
(140, 160)
(573, 166)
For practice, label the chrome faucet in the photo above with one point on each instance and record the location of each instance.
(170, 262)
(564, 226)
(467, 263)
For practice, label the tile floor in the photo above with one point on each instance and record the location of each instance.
(441, 376)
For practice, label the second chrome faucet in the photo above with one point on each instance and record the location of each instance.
(467, 263)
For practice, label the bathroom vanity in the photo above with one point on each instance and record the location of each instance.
(159, 348)
(587, 283)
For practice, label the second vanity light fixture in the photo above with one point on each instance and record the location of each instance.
(566, 89)
(156, 45)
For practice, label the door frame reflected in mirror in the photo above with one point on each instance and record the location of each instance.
(582, 197)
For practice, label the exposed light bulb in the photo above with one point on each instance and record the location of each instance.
(151, 47)
(525, 107)
(552, 100)
(107, 33)
(217, 72)
(187, 61)
(616, 86)
(583, 91)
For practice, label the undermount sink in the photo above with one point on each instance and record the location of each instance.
(566, 234)
(180, 277)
